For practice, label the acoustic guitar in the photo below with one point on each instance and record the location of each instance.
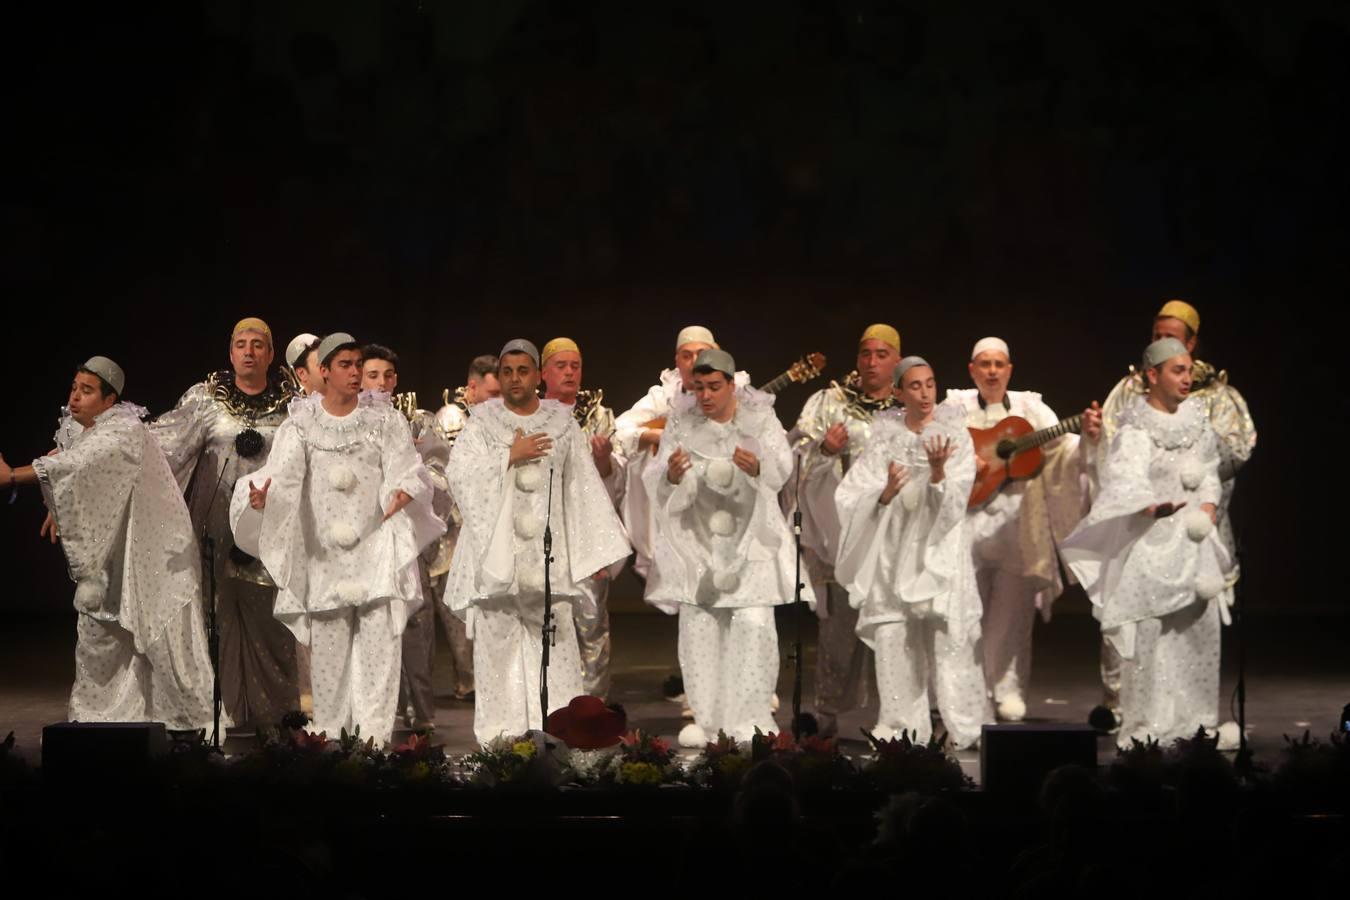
(803, 370)
(1012, 449)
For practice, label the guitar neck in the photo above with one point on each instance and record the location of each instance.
(1071, 425)
(777, 384)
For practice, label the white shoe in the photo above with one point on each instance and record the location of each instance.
(1229, 736)
(693, 736)
(1012, 708)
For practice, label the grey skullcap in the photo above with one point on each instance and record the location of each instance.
(520, 345)
(329, 345)
(297, 347)
(905, 365)
(1160, 351)
(109, 371)
(717, 360)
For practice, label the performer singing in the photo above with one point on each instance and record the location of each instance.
(140, 648)
(417, 700)
(339, 523)
(723, 555)
(515, 454)
(220, 433)
(562, 375)
(1150, 559)
(1228, 415)
(904, 558)
(637, 433)
(1013, 535)
(831, 432)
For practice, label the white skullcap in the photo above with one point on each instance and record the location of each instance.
(330, 344)
(520, 345)
(1159, 352)
(297, 347)
(990, 343)
(695, 334)
(109, 371)
(905, 365)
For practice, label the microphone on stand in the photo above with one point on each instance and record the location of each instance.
(550, 630)
(208, 550)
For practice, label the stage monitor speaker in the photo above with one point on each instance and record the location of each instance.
(77, 751)
(1014, 759)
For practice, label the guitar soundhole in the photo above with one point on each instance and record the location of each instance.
(1005, 449)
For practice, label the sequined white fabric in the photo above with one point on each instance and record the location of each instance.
(141, 644)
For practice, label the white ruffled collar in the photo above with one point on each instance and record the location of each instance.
(1170, 431)
(325, 431)
(551, 417)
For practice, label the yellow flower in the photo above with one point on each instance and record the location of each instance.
(640, 773)
(523, 749)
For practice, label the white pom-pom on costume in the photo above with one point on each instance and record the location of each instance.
(1192, 473)
(344, 535)
(721, 472)
(726, 582)
(1198, 524)
(1209, 585)
(722, 523)
(341, 478)
(527, 525)
(911, 495)
(528, 478)
(350, 592)
(530, 578)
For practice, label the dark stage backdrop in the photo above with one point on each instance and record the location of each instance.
(441, 180)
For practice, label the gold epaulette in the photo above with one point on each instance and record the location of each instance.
(588, 406)
(405, 403)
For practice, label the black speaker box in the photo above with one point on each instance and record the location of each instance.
(1014, 759)
(80, 750)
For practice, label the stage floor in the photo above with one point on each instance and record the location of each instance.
(1298, 678)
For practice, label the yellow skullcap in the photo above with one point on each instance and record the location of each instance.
(1180, 309)
(884, 333)
(558, 345)
(252, 324)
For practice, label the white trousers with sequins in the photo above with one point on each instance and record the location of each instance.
(729, 662)
(908, 654)
(1009, 601)
(507, 656)
(354, 661)
(1170, 687)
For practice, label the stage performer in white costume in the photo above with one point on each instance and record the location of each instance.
(562, 374)
(1150, 558)
(300, 360)
(500, 472)
(1014, 533)
(637, 434)
(724, 556)
(904, 558)
(416, 699)
(831, 433)
(140, 649)
(339, 522)
(1227, 412)
(217, 436)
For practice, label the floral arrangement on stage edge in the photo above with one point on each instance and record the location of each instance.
(644, 760)
(904, 764)
(721, 765)
(530, 761)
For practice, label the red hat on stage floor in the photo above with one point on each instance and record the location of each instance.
(587, 723)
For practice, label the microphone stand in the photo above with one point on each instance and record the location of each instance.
(208, 549)
(1243, 762)
(550, 630)
(797, 606)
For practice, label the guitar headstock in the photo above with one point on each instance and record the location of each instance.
(808, 367)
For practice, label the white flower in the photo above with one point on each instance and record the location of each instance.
(911, 495)
(1192, 473)
(1209, 585)
(528, 478)
(527, 525)
(722, 523)
(721, 472)
(341, 478)
(726, 582)
(350, 592)
(343, 535)
(1198, 524)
